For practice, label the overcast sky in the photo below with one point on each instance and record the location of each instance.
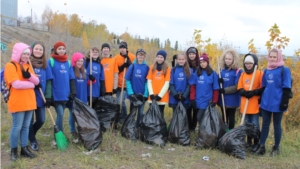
(236, 21)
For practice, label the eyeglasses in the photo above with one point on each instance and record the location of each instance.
(140, 50)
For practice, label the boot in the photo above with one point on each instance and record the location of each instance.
(14, 154)
(25, 152)
(275, 151)
(261, 150)
(255, 145)
(249, 142)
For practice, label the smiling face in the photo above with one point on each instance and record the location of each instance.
(140, 57)
(160, 59)
(228, 59)
(248, 65)
(273, 57)
(192, 56)
(79, 63)
(203, 64)
(105, 51)
(181, 60)
(61, 50)
(24, 57)
(123, 51)
(38, 50)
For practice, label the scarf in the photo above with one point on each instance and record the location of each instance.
(36, 62)
(63, 58)
(159, 66)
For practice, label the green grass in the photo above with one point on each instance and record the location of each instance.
(118, 152)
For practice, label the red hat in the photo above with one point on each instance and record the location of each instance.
(75, 57)
(204, 57)
(58, 44)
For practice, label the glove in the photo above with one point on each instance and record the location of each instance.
(38, 86)
(152, 97)
(177, 96)
(139, 97)
(193, 103)
(182, 99)
(157, 98)
(249, 94)
(285, 99)
(132, 97)
(114, 91)
(242, 92)
(212, 104)
(220, 80)
(92, 78)
(26, 74)
(72, 96)
(48, 103)
(222, 90)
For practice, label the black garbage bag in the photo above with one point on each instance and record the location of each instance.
(87, 124)
(179, 128)
(211, 128)
(129, 129)
(153, 127)
(108, 111)
(233, 142)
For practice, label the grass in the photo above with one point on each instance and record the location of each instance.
(118, 152)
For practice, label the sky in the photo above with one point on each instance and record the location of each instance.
(232, 21)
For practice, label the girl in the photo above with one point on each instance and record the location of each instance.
(179, 86)
(136, 82)
(252, 111)
(39, 64)
(193, 61)
(81, 88)
(158, 81)
(204, 87)
(275, 99)
(230, 74)
(20, 80)
(96, 76)
(63, 83)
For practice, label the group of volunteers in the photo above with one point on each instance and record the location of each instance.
(191, 80)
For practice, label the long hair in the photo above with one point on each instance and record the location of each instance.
(78, 71)
(208, 69)
(164, 68)
(44, 59)
(186, 67)
(236, 59)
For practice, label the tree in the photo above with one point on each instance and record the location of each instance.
(251, 47)
(176, 46)
(47, 16)
(85, 41)
(275, 40)
(75, 25)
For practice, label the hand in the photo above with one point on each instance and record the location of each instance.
(114, 91)
(212, 104)
(26, 74)
(182, 99)
(249, 94)
(140, 97)
(38, 86)
(242, 92)
(222, 90)
(220, 80)
(132, 97)
(177, 96)
(91, 77)
(48, 103)
(157, 98)
(152, 96)
(283, 106)
(193, 103)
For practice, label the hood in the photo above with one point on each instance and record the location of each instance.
(18, 50)
(195, 62)
(274, 65)
(255, 63)
(135, 61)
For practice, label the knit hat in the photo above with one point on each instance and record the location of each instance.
(105, 45)
(58, 44)
(123, 45)
(75, 57)
(204, 57)
(27, 50)
(140, 51)
(163, 53)
(249, 58)
(191, 50)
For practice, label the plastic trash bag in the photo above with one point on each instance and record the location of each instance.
(153, 127)
(211, 128)
(234, 141)
(108, 111)
(88, 124)
(179, 128)
(129, 129)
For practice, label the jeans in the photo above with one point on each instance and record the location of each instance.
(71, 120)
(266, 117)
(60, 108)
(40, 118)
(124, 109)
(20, 126)
(252, 118)
(140, 113)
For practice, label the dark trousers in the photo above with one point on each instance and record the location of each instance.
(191, 113)
(230, 116)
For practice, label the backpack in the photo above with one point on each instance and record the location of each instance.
(52, 62)
(4, 90)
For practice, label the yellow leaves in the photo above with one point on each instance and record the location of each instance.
(251, 47)
(75, 26)
(85, 41)
(275, 40)
(297, 52)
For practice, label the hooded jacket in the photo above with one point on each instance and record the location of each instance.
(22, 97)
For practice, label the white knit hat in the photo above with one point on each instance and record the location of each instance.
(249, 59)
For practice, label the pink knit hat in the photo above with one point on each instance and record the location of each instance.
(75, 57)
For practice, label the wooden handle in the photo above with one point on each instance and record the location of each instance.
(247, 100)
(91, 82)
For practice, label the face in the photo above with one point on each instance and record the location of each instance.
(105, 51)
(123, 51)
(61, 50)
(192, 56)
(95, 54)
(203, 64)
(228, 59)
(248, 65)
(79, 63)
(38, 50)
(273, 57)
(160, 59)
(181, 60)
(140, 57)
(24, 57)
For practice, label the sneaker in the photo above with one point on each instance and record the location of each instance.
(255, 147)
(53, 143)
(275, 151)
(75, 137)
(261, 150)
(34, 146)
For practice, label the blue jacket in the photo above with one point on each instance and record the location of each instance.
(44, 75)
